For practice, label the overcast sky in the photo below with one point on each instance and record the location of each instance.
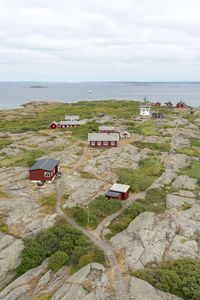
(107, 40)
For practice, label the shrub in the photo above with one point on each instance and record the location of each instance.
(45, 244)
(180, 277)
(141, 179)
(58, 260)
(153, 146)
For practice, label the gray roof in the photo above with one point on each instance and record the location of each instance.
(106, 127)
(103, 137)
(45, 164)
(112, 194)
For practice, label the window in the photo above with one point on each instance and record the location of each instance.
(105, 143)
(92, 143)
(99, 143)
(112, 143)
(46, 174)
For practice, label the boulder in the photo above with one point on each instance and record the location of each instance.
(177, 201)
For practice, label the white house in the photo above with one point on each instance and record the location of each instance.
(103, 139)
(145, 110)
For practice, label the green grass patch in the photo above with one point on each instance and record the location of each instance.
(145, 128)
(4, 227)
(192, 171)
(155, 201)
(189, 151)
(87, 175)
(63, 244)
(3, 195)
(195, 142)
(4, 142)
(98, 209)
(141, 179)
(48, 203)
(153, 146)
(181, 277)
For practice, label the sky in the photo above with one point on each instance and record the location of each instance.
(92, 40)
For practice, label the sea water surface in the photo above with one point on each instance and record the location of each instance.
(14, 94)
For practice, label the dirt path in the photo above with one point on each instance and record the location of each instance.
(120, 285)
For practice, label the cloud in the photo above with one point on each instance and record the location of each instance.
(99, 40)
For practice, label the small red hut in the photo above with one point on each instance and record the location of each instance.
(157, 104)
(44, 170)
(118, 191)
(53, 125)
(169, 104)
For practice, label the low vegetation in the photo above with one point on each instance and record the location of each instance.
(61, 243)
(161, 147)
(96, 211)
(141, 179)
(4, 227)
(155, 201)
(189, 151)
(48, 203)
(181, 277)
(4, 142)
(145, 128)
(192, 171)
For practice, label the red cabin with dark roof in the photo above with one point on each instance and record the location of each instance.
(44, 170)
(157, 104)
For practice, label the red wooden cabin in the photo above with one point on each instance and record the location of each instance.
(118, 191)
(157, 104)
(169, 104)
(44, 170)
(103, 140)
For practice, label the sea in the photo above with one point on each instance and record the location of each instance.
(14, 94)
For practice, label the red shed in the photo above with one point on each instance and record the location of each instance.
(44, 170)
(123, 189)
(53, 125)
(103, 139)
(158, 104)
(169, 104)
(113, 195)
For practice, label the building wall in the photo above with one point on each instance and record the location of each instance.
(107, 131)
(39, 175)
(101, 144)
(125, 195)
(119, 197)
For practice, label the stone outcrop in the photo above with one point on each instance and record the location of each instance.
(10, 257)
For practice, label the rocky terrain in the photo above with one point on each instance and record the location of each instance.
(149, 238)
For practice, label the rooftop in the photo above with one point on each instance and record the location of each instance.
(47, 164)
(103, 137)
(121, 188)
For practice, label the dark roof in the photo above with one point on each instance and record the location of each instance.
(45, 164)
(113, 194)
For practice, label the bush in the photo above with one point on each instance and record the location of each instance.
(45, 244)
(141, 179)
(99, 208)
(181, 277)
(58, 260)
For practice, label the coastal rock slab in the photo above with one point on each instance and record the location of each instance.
(10, 257)
(142, 290)
(184, 182)
(177, 201)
